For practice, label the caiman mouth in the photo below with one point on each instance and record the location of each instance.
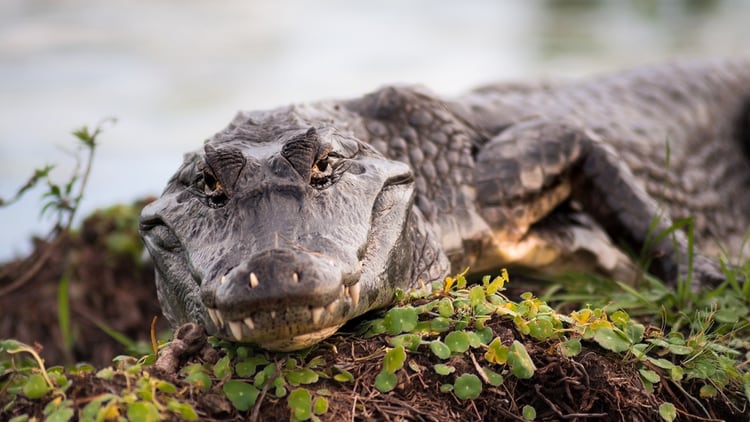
(283, 298)
(290, 328)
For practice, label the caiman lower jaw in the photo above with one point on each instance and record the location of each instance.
(301, 341)
(292, 328)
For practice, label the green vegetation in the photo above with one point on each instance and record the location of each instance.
(63, 201)
(466, 343)
(452, 321)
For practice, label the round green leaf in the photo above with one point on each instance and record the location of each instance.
(242, 352)
(409, 341)
(493, 377)
(241, 394)
(300, 403)
(83, 368)
(261, 377)
(301, 376)
(183, 410)
(445, 308)
(375, 327)
(35, 387)
(166, 387)
(245, 369)
(320, 405)
(222, 368)
(467, 386)
(280, 391)
(678, 349)
(440, 349)
(476, 296)
(528, 412)
(485, 335)
(394, 359)
(676, 373)
(708, 391)
(619, 318)
(520, 362)
(541, 328)
(610, 339)
(661, 363)
(667, 412)
(385, 382)
(106, 374)
(143, 411)
(399, 320)
(634, 331)
(571, 347)
(457, 341)
(440, 324)
(443, 369)
(200, 380)
(474, 340)
(62, 414)
(649, 375)
(343, 375)
(446, 388)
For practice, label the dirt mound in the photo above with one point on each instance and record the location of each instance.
(110, 288)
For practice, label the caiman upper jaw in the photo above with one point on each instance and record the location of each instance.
(313, 323)
(281, 299)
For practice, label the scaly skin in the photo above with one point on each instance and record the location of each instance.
(292, 221)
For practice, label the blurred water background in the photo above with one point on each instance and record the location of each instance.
(174, 72)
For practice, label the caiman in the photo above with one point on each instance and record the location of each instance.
(292, 221)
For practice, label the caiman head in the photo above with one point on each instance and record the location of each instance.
(282, 229)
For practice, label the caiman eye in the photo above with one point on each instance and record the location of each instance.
(210, 184)
(323, 170)
(207, 184)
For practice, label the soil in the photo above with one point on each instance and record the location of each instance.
(117, 289)
(109, 284)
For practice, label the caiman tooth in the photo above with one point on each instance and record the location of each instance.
(220, 318)
(254, 280)
(273, 314)
(236, 328)
(317, 313)
(295, 277)
(354, 290)
(212, 314)
(223, 279)
(331, 307)
(249, 322)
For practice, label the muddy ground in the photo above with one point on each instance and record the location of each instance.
(112, 285)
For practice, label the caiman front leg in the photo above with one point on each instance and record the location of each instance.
(560, 199)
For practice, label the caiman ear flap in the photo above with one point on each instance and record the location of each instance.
(302, 152)
(226, 165)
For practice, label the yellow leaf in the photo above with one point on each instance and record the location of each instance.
(111, 412)
(600, 324)
(582, 317)
(448, 284)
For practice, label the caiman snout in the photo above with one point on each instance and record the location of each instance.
(302, 294)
